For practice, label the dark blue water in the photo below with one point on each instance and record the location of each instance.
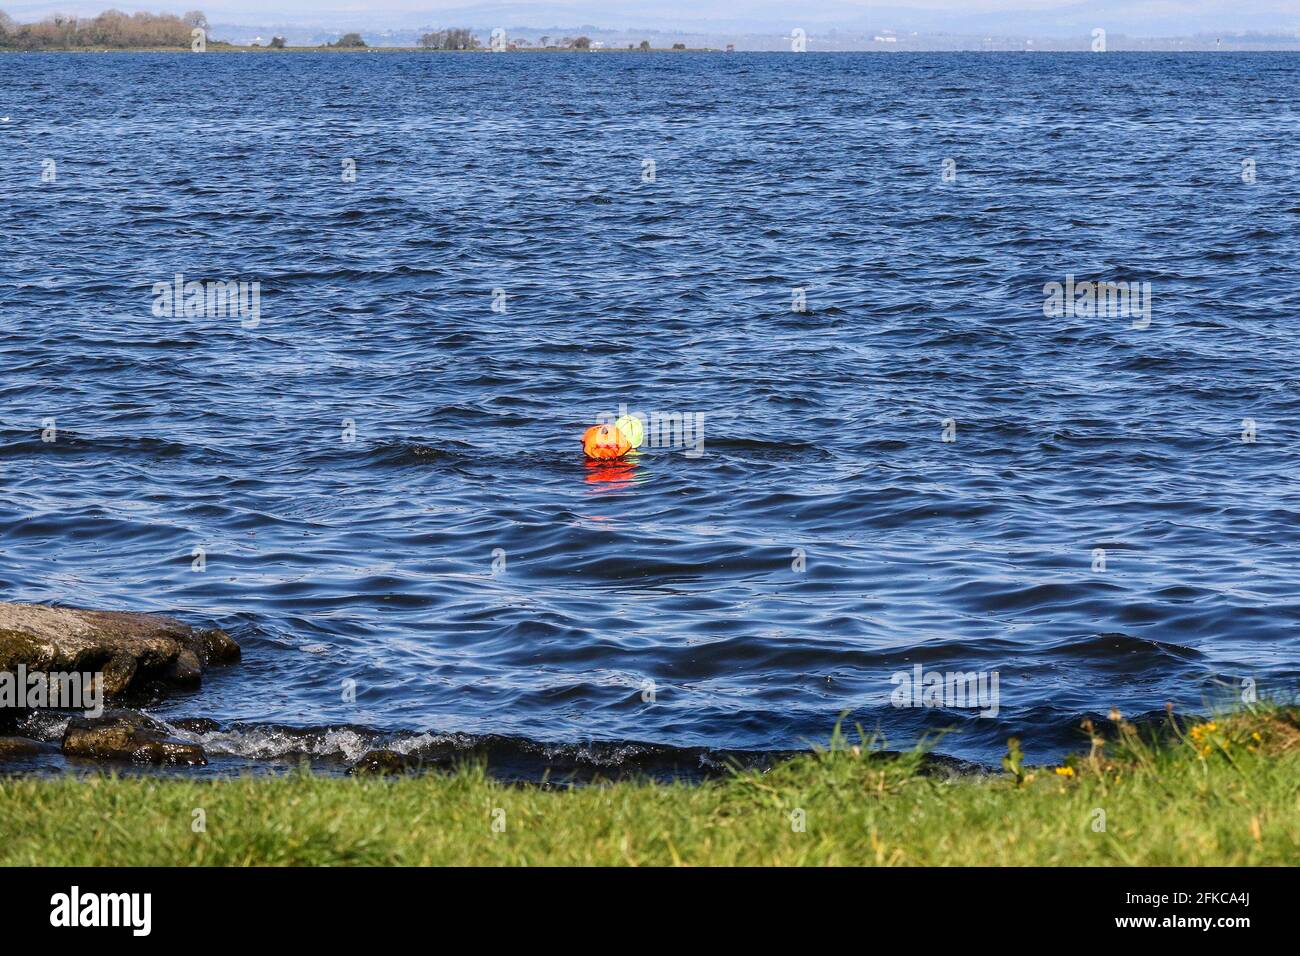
(372, 560)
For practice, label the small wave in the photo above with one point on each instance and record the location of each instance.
(505, 757)
(1124, 651)
(69, 442)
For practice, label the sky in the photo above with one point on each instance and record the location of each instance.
(1045, 17)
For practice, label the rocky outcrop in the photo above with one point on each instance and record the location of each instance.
(134, 652)
(128, 736)
(384, 762)
(14, 748)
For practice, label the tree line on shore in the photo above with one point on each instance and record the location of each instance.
(115, 30)
(112, 29)
(464, 39)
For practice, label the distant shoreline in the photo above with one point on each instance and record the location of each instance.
(232, 48)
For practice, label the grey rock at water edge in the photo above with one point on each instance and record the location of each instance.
(128, 736)
(14, 748)
(133, 651)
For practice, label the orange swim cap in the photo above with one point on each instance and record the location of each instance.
(605, 441)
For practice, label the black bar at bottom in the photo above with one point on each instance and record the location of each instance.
(335, 906)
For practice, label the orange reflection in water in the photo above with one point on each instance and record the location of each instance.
(620, 473)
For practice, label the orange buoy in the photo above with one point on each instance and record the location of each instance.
(605, 441)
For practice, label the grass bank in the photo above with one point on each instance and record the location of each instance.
(1218, 793)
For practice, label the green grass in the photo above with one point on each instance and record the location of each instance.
(1223, 794)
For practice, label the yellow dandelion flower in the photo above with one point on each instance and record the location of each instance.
(1203, 730)
(1065, 771)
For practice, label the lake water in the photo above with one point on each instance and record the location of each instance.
(909, 462)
